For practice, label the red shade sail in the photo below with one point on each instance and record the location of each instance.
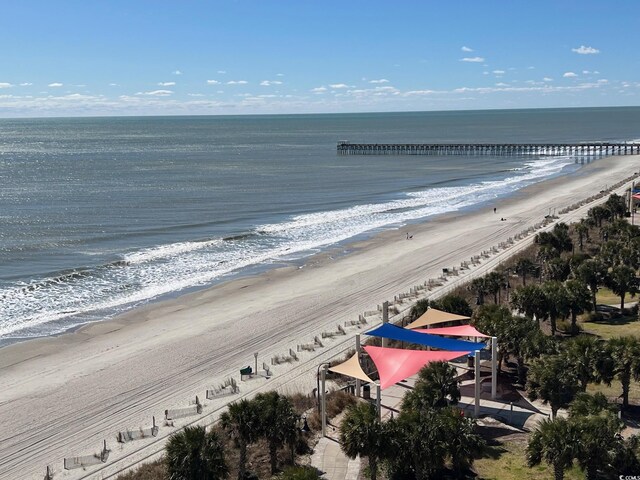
(396, 364)
(459, 331)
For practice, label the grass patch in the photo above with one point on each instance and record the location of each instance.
(613, 327)
(614, 391)
(607, 297)
(508, 462)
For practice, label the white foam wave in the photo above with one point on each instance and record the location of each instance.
(161, 270)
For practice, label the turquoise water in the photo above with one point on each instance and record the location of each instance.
(102, 214)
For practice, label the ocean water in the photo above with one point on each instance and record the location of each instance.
(99, 215)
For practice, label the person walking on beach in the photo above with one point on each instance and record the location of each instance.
(494, 210)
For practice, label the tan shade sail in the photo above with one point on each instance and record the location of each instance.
(433, 316)
(351, 368)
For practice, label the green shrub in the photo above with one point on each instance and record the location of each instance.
(304, 472)
(565, 326)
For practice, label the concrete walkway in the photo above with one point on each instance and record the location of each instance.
(335, 465)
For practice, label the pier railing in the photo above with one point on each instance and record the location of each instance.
(471, 149)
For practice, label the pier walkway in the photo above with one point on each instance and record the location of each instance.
(471, 149)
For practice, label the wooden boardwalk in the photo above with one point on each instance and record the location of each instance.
(472, 149)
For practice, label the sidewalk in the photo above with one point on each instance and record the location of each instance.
(335, 465)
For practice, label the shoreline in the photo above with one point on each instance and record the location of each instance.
(123, 370)
(344, 247)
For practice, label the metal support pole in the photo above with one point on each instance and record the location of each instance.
(494, 367)
(358, 350)
(323, 415)
(255, 356)
(378, 401)
(476, 362)
(385, 319)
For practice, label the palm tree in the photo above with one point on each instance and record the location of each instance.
(616, 205)
(478, 287)
(557, 301)
(194, 454)
(552, 441)
(582, 229)
(552, 382)
(586, 357)
(596, 437)
(625, 357)
(494, 283)
(464, 442)
(622, 280)
(524, 266)
(585, 404)
(453, 303)
(436, 387)
(419, 308)
(578, 299)
(557, 269)
(531, 301)
(418, 444)
(362, 433)
(241, 422)
(277, 422)
(591, 272)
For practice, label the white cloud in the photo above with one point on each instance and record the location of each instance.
(466, 49)
(177, 72)
(472, 59)
(498, 72)
(222, 72)
(114, 85)
(485, 73)
(583, 50)
(55, 84)
(279, 74)
(213, 82)
(195, 94)
(569, 75)
(166, 84)
(5, 85)
(603, 81)
(501, 84)
(318, 90)
(157, 93)
(268, 83)
(339, 85)
(237, 82)
(547, 79)
(26, 84)
(382, 80)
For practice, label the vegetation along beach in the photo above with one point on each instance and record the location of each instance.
(264, 240)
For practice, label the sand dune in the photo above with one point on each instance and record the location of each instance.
(62, 396)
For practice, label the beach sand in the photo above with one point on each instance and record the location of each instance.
(62, 396)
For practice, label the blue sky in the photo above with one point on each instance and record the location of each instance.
(136, 57)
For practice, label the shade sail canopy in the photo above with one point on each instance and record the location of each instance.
(351, 368)
(396, 364)
(433, 316)
(386, 330)
(459, 331)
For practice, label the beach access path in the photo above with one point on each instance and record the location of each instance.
(63, 396)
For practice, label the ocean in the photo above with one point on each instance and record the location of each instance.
(100, 215)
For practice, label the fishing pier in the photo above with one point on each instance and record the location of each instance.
(494, 149)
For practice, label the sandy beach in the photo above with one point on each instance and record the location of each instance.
(62, 396)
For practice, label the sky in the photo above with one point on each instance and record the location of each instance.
(138, 57)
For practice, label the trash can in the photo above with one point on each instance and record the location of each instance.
(366, 392)
(246, 371)
(471, 361)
